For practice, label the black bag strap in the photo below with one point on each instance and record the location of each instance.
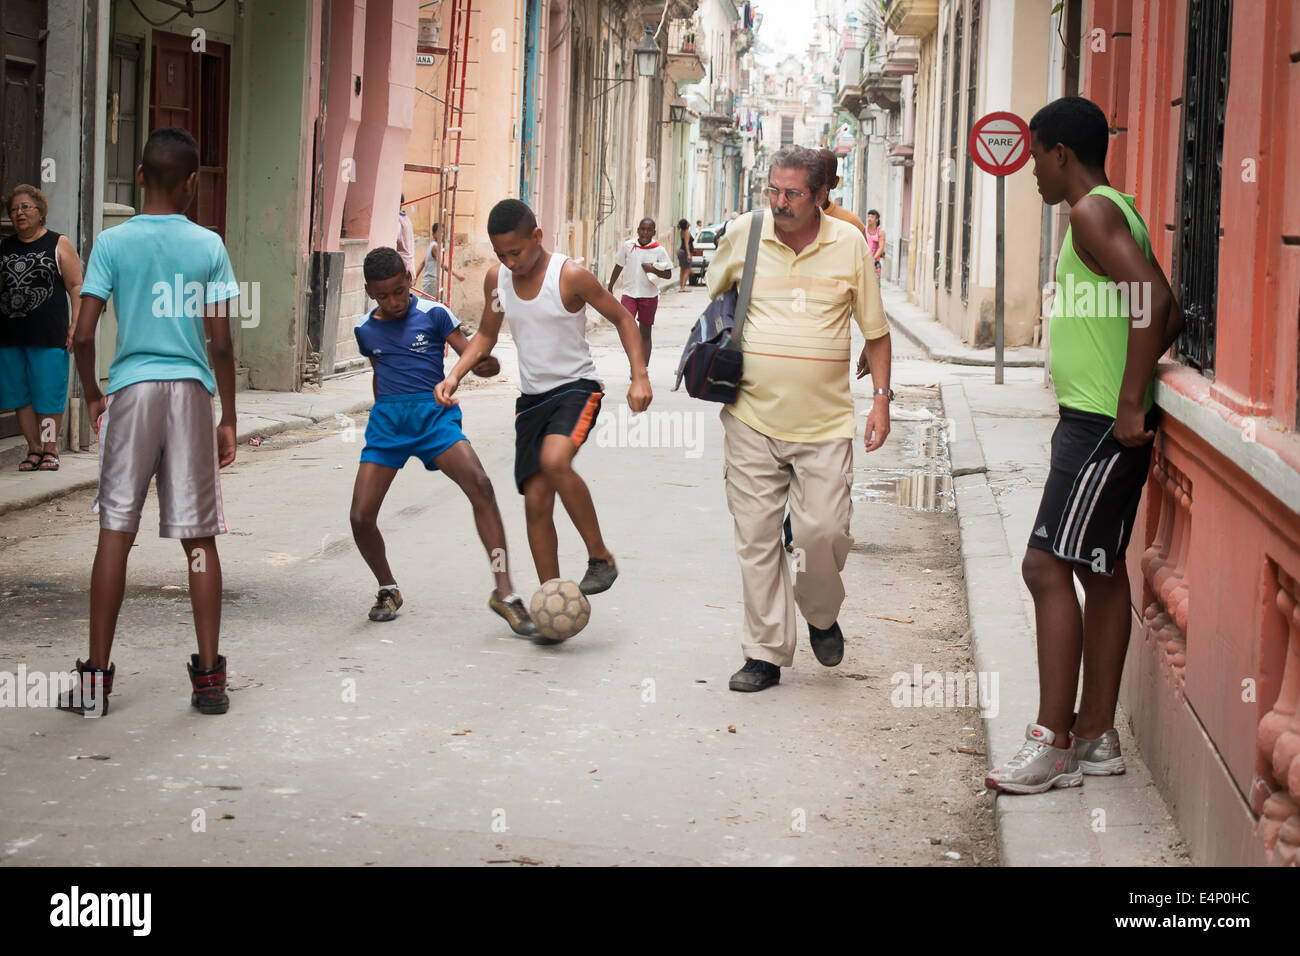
(746, 280)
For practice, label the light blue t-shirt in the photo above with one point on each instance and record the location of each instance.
(161, 272)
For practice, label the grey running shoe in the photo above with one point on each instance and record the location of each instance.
(1038, 766)
(600, 576)
(1100, 757)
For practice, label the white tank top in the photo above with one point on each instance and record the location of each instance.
(551, 341)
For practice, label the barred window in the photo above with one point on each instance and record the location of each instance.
(1205, 96)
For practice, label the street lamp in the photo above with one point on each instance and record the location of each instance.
(676, 111)
(647, 55)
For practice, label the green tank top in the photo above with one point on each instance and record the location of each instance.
(1090, 324)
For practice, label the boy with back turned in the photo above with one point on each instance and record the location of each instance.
(157, 420)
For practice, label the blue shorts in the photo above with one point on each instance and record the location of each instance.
(36, 377)
(405, 425)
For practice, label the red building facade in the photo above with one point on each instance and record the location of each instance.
(1204, 101)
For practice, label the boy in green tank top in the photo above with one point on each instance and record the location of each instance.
(1113, 316)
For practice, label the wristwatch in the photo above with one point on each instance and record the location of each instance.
(884, 391)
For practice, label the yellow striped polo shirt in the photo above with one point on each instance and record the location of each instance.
(797, 342)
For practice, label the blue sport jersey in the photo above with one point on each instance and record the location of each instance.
(408, 351)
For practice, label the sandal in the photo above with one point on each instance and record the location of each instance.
(46, 458)
(31, 462)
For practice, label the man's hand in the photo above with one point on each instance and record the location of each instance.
(1130, 425)
(648, 267)
(863, 366)
(72, 328)
(445, 389)
(877, 429)
(487, 366)
(639, 394)
(225, 444)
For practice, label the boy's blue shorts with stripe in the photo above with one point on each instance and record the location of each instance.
(402, 426)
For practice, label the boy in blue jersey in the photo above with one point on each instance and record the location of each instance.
(172, 287)
(404, 338)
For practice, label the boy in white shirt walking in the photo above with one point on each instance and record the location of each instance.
(641, 257)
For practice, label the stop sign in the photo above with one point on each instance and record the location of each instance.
(999, 143)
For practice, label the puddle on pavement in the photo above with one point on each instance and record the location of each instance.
(921, 491)
(924, 482)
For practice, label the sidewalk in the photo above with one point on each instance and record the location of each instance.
(259, 414)
(999, 446)
(942, 344)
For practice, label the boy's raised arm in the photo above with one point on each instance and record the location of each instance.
(595, 295)
(479, 347)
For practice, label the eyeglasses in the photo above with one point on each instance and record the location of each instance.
(791, 195)
(25, 207)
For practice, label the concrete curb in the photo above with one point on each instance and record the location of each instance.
(313, 409)
(939, 344)
(964, 450)
(1042, 830)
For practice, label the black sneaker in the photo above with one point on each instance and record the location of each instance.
(600, 576)
(386, 604)
(90, 695)
(755, 675)
(208, 687)
(827, 645)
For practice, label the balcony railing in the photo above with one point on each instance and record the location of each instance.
(687, 52)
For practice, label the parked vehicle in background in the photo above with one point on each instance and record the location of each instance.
(706, 243)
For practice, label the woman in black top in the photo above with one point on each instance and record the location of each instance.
(685, 249)
(39, 271)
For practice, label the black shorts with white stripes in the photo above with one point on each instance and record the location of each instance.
(1092, 493)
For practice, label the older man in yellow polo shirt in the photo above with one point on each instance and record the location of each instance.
(789, 434)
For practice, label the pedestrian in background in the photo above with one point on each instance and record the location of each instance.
(643, 257)
(39, 272)
(830, 207)
(406, 239)
(875, 238)
(432, 265)
(685, 250)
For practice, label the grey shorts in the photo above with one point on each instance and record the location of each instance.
(165, 429)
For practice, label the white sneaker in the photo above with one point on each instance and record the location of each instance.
(1100, 757)
(1037, 766)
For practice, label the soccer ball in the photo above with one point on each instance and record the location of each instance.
(559, 610)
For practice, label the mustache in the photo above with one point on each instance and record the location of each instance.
(783, 212)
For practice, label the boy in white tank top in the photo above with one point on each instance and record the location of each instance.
(544, 296)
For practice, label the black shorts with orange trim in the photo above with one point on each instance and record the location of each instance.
(569, 410)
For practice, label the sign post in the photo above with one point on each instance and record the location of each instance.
(999, 145)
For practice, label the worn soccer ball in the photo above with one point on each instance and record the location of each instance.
(559, 610)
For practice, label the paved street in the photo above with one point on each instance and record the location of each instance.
(441, 737)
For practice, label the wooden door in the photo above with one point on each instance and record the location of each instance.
(191, 89)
